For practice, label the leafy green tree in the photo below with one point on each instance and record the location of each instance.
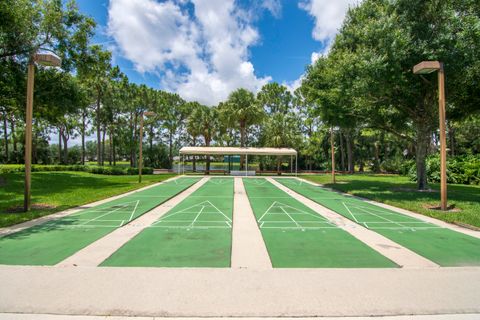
(379, 44)
(173, 114)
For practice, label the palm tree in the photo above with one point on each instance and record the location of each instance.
(241, 111)
(207, 123)
(194, 128)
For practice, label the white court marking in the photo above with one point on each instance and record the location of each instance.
(291, 212)
(256, 181)
(219, 181)
(400, 225)
(205, 207)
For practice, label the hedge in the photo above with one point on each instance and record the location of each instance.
(108, 170)
(460, 169)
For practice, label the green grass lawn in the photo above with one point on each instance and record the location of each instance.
(399, 191)
(62, 190)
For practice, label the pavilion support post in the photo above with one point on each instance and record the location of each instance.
(291, 164)
(246, 167)
(296, 165)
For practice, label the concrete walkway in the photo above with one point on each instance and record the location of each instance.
(390, 249)
(248, 247)
(178, 292)
(94, 254)
(16, 316)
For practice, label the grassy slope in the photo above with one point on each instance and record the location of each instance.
(388, 189)
(63, 190)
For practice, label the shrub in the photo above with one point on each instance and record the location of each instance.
(460, 169)
(109, 170)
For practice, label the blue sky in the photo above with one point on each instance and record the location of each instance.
(204, 49)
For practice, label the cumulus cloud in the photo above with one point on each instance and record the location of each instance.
(274, 6)
(202, 54)
(328, 16)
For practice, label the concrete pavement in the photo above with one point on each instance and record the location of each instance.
(238, 292)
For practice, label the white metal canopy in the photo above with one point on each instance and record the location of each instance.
(237, 151)
(209, 151)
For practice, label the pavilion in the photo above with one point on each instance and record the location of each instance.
(216, 151)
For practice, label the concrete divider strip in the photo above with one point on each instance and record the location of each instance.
(248, 247)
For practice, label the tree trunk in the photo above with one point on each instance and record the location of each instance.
(376, 168)
(422, 145)
(34, 148)
(194, 160)
(83, 137)
(103, 145)
(99, 140)
(132, 139)
(5, 135)
(110, 148)
(451, 136)
(348, 139)
(60, 161)
(133, 151)
(170, 149)
(65, 147)
(14, 136)
(114, 155)
(342, 151)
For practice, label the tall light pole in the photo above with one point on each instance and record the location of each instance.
(46, 59)
(333, 154)
(426, 67)
(140, 158)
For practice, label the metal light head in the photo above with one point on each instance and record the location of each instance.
(426, 67)
(149, 113)
(48, 59)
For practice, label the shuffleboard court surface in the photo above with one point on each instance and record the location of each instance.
(53, 241)
(195, 233)
(440, 245)
(298, 237)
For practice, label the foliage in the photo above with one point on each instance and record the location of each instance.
(460, 169)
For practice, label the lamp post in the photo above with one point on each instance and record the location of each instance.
(46, 59)
(140, 158)
(426, 67)
(333, 154)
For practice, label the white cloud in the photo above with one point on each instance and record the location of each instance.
(293, 85)
(202, 56)
(274, 6)
(328, 16)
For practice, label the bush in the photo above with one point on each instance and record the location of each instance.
(397, 165)
(460, 169)
(109, 170)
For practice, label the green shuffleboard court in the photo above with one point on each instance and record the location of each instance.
(195, 233)
(298, 237)
(440, 245)
(53, 241)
